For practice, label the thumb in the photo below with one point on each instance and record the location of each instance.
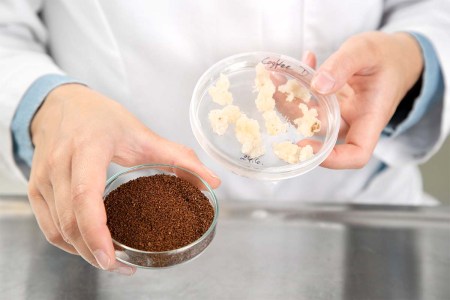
(156, 149)
(182, 156)
(355, 56)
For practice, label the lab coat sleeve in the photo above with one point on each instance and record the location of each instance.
(23, 59)
(431, 20)
(424, 94)
(27, 108)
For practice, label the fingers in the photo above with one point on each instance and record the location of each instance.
(290, 109)
(88, 223)
(45, 221)
(53, 207)
(360, 142)
(46, 190)
(53, 236)
(64, 208)
(88, 167)
(356, 56)
(346, 98)
(310, 59)
(41, 197)
(344, 93)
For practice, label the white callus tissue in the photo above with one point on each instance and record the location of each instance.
(232, 112)
(221, 118)
(265, 88)
(220, 93)
(292, 153)
(294, 90)
(308, 124)
(218, 121)
(247, 130)
(248, 134)
(274, 125)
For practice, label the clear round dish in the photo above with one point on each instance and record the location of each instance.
(163, 259)
(240, 70)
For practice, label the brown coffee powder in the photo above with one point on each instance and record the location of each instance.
(157, 213)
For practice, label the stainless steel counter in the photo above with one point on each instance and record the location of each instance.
(261, 251)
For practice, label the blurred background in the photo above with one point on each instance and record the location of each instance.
(436, 173)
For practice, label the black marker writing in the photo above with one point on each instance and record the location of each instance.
(275, 64)
(251, 160)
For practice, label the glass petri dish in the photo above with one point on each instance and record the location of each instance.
(163, 259)
(240, 70)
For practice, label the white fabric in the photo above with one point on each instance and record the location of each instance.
(148, 55)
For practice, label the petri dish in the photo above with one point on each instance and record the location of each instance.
(163, 259)
(226, 149)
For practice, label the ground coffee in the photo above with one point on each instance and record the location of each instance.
(158, 213)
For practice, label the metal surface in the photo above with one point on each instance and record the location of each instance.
(261, 251)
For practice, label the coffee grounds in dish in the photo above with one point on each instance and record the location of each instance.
(157, 213)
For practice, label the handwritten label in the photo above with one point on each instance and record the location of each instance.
(281, 64)
(275, 64)
(251, 160)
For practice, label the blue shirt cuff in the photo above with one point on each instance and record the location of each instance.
(431, 91)
(28, 106)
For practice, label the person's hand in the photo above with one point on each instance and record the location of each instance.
(370, 73)
(77, 133)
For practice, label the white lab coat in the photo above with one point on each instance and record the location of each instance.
(148, 55)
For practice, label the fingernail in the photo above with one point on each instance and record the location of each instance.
(123, 270)
(212, 174)
(323, 82)
(102, 258)
(278, 78)
(306, 56)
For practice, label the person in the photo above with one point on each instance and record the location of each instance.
(91, 85)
